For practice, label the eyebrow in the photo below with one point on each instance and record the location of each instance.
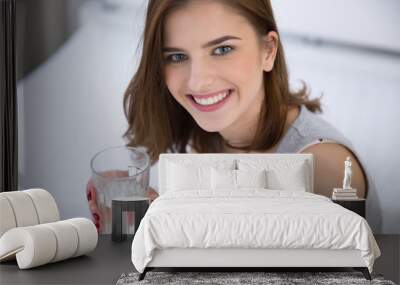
(206, 45)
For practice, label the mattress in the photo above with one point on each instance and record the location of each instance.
(250, 219)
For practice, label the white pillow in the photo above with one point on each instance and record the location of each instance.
(282, 174)
(183, 177)
(251, 178)
(293, 178)
(235, 179)
(223, 179)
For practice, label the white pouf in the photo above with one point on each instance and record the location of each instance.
(45, 205)
(7, 220)
(67, 237)
(30, 230)
(24, 211)
(27, 208)
(40, 244)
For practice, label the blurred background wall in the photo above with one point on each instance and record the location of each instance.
(42, 27)
(76, 57)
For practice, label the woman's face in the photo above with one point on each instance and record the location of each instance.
(214, 63)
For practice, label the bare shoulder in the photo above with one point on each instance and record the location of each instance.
(329, 168)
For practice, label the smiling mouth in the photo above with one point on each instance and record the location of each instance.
(210, 100)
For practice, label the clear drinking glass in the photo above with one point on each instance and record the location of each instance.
(119, 173)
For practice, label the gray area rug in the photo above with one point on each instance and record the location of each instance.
(230, 278)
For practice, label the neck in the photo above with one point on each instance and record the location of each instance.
(234, 139)
(241, 132)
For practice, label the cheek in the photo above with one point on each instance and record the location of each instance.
(246, 74)
(173, 80)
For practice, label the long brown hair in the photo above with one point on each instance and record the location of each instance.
(160, 124)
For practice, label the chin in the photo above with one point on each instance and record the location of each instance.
(211, 126)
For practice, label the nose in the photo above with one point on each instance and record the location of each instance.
(201, 77)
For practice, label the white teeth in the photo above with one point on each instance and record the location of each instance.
(211, 100)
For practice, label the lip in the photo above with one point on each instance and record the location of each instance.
(210, 108)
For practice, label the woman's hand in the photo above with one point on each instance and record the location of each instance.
(91, 193)
(152, 194)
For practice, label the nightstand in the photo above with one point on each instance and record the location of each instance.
(138, 205)
(356, 205)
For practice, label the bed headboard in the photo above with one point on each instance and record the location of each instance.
(233, 159)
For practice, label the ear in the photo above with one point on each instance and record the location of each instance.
(269, 50)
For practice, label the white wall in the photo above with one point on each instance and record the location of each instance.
(373, 23)
(71, 107)
(360, 97)
(360, 88)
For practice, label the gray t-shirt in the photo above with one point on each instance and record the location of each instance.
(310, 129)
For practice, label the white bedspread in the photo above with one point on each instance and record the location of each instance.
(252, 218)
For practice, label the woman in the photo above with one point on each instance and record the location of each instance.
(213, 78)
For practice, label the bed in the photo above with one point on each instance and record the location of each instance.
(245, 211)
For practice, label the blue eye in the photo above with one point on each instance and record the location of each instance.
(223, 50)
(177, 57)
